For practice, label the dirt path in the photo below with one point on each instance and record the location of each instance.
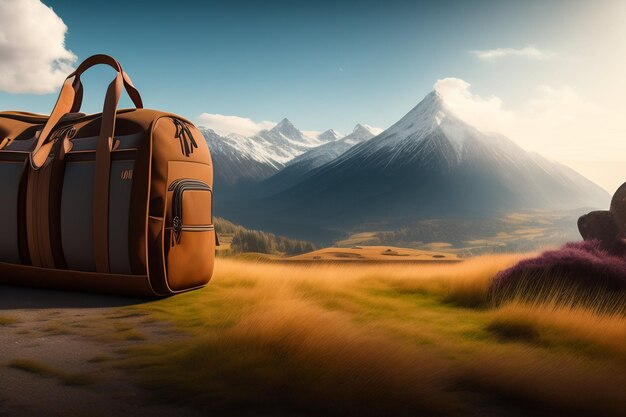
(54, 349)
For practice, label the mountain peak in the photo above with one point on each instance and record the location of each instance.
(328, 135)
(436, 94)
(423, 118)
(283, 125)
(287, 129)
(361, 129)
(433, 101)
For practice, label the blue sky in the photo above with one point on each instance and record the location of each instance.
(322, 64)
(334, 64)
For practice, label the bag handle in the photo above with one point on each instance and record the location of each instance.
(113, 63)
(70, 100)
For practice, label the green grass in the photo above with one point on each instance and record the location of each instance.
(378, 340)
(47, 371)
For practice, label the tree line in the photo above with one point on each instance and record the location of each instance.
(245, 240)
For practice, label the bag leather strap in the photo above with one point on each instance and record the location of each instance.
(69, 100)
(43, 147)
(110, 61)
(102, 176)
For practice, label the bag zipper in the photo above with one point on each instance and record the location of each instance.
(177, 188)
(184, 136)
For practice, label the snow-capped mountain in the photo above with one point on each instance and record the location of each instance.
(430, 145)
(430, 164)
(303, 164)
(318, 156)
(275, 146)
(283, 142)
(416, 135)
(360, 133)
(237, 159)
(241, 158)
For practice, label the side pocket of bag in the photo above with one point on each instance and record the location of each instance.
(189, 234)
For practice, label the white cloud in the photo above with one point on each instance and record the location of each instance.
(33, 57)
(556, 122)
(530, 52)
(225, 125)
(485, 113)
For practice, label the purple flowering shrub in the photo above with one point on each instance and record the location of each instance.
(589, 267)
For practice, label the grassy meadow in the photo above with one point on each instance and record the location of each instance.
(269, 338)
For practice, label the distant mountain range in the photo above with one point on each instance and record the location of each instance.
(241, 159)
(298, 168)
(430, 164)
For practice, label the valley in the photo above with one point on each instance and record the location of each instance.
(515, 232)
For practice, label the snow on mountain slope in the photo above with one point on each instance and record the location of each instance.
(328, 136)
(282, 143)
(236, 158)
(361, 133)
(398, 143)
(325, 153)
(273, 147)
(256, 157)
(301, 165)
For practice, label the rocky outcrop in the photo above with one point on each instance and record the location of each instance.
(606, 226)
(599, 225)
(618, 208)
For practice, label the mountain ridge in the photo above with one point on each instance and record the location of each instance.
(268, 151)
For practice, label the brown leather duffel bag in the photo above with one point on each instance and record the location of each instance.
(117, 202)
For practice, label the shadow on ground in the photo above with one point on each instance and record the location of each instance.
(14, 297)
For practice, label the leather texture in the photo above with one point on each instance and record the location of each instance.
(86, 201)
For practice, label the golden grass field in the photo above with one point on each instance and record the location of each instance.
(379, 339)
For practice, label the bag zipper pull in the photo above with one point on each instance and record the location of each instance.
(184, 136)
(192, 141)
(177, 228)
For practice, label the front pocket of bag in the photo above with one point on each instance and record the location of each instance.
(190, 234)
